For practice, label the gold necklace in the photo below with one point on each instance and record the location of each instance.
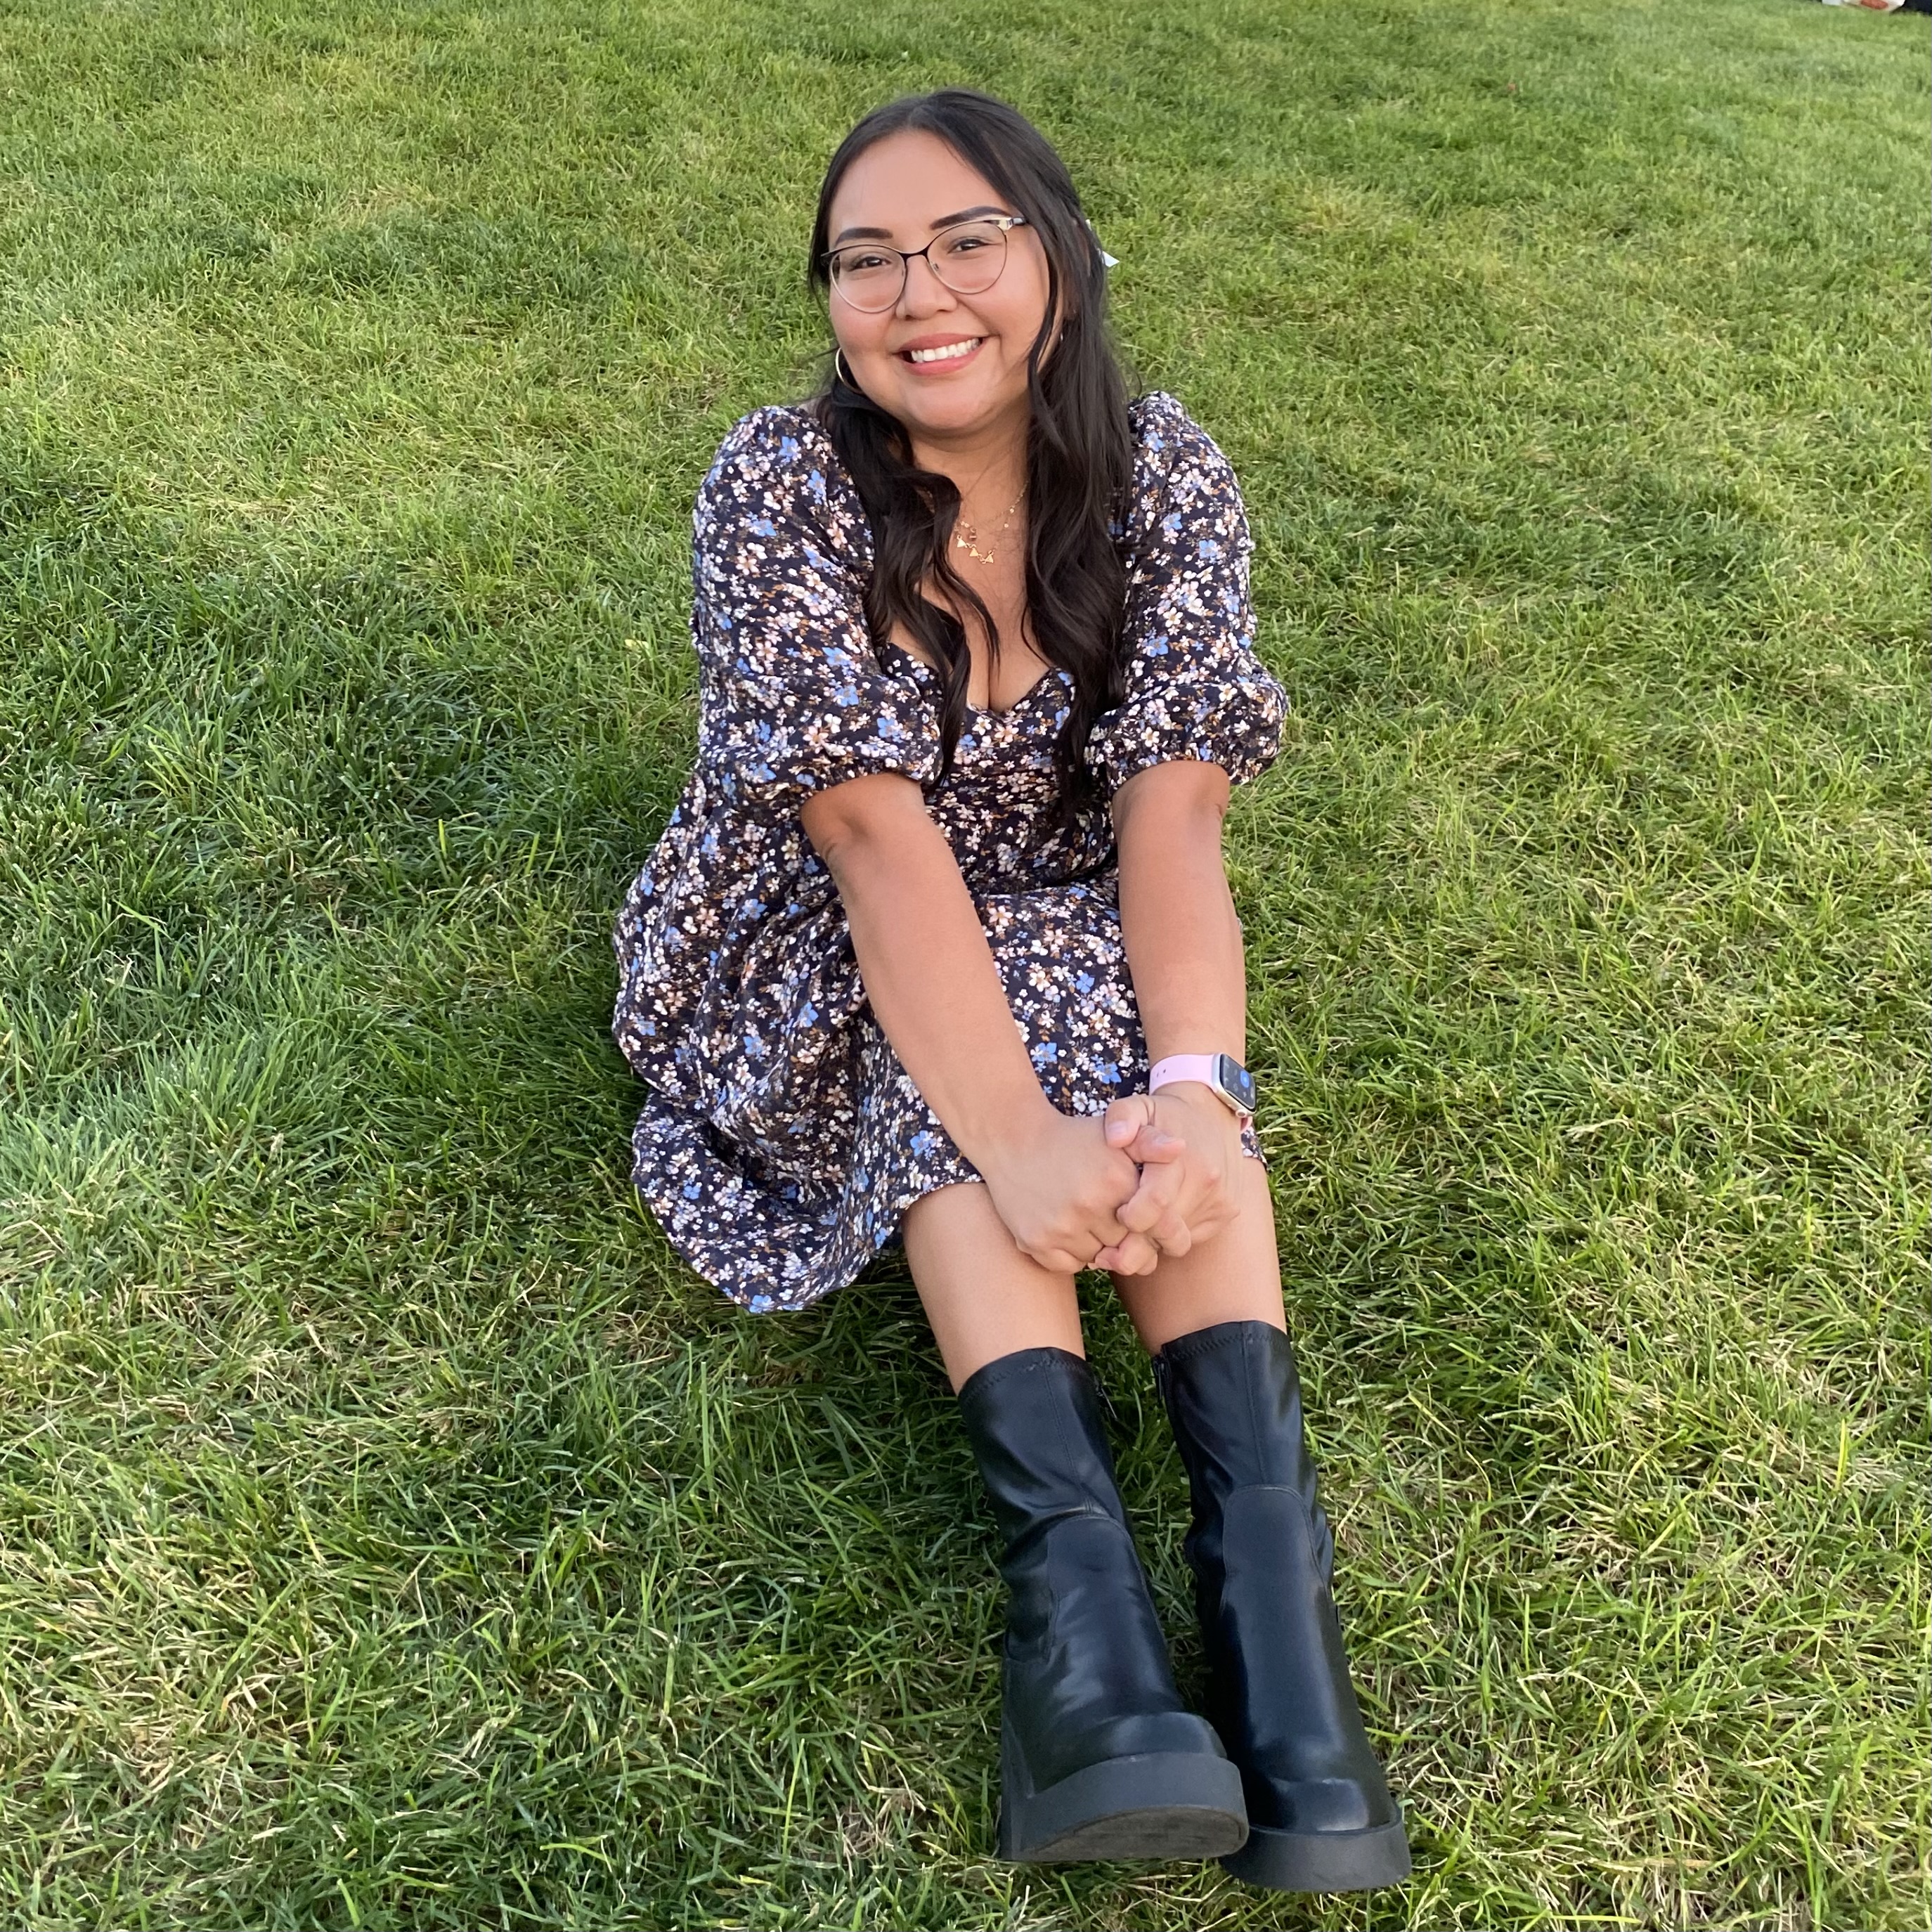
(966, 536)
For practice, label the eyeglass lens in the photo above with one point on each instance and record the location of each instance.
(967, 260)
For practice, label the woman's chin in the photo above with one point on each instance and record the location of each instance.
(948, 408)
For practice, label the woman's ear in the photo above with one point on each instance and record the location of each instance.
(1064, 311)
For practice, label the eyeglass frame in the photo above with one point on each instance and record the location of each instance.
(1005, 223)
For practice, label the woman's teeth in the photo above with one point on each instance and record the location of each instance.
(951, 352)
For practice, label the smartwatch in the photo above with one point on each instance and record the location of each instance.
(1221, 1071)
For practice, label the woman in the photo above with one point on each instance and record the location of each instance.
(937, 947)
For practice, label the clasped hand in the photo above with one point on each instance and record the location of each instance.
(1150, 1178)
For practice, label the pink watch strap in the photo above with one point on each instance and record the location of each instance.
(1182, 1067)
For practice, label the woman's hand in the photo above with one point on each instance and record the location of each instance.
(1187, 1143)
(1058, 1185)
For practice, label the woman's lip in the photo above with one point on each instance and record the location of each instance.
(946, 365)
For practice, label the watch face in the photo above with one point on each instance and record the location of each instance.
(1237, 1082)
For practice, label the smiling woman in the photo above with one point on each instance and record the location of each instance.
(938, 948)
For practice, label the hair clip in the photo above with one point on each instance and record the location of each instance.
(1107, 261)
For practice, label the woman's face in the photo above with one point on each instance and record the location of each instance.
(902, 190)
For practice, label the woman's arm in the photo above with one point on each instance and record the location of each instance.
(930, 977)
(1183, 943)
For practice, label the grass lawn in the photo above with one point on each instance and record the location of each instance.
(392, 1532)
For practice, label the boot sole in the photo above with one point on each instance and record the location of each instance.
(1322, 1860)
(1160, 1804)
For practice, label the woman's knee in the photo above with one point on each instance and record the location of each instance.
(962, 1213)
(1233, 1276)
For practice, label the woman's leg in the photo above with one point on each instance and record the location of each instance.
(983, 1297)
(1234, 1276)
(1320, 1815)
(1098, 1758)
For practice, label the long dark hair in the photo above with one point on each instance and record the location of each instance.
(1079, 448)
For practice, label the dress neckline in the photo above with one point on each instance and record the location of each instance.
(921, 668)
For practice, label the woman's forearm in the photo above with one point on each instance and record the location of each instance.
(1177, 920)
(928, 972)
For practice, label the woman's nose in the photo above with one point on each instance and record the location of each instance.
(924, 293)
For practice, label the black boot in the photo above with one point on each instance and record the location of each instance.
(1099, 1757)
(1319, 1812)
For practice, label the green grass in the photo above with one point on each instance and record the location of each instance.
(391, 1533)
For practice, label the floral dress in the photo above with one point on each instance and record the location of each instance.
(781, 1142)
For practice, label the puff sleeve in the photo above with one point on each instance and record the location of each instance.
(1195, 688)
(794, 700)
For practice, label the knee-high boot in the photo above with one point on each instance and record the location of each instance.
(1099, 1757)
(1319, 1812)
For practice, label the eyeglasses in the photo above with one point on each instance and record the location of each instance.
(967, 258)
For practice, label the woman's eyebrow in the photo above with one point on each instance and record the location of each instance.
(886, 234)
(964, 214)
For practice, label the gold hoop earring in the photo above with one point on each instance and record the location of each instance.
(844, 374)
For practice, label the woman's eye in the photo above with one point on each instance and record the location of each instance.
(857, 265)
